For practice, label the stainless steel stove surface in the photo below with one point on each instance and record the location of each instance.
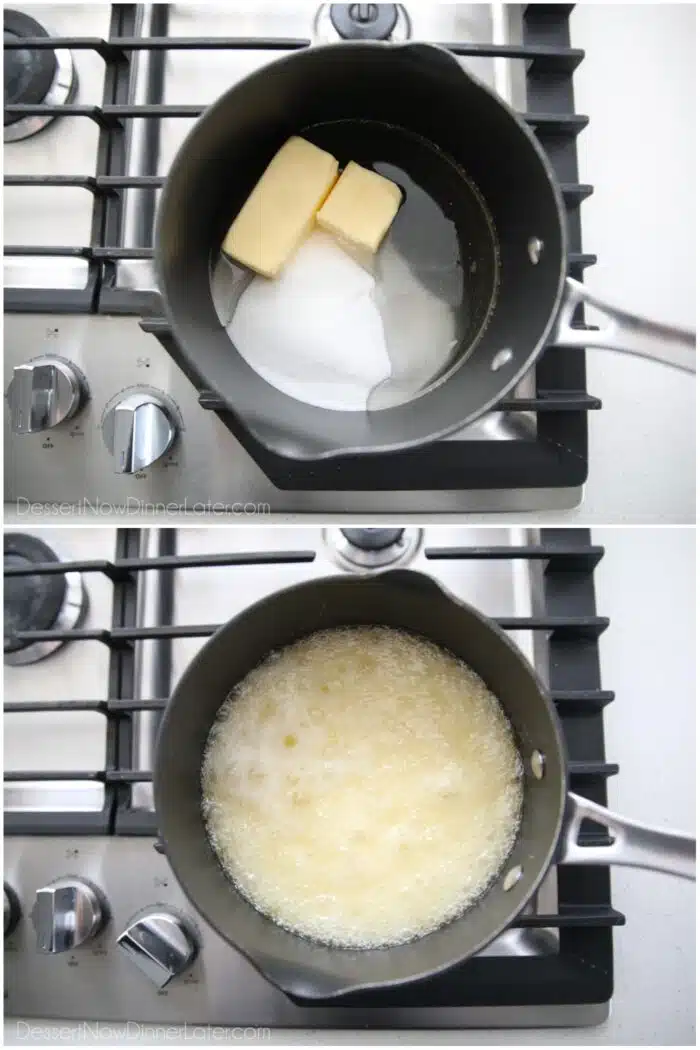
(80, 200)
(79, 733)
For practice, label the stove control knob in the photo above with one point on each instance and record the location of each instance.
(138, 430)
(160, 944)
(44, 393)
(66, 913)
(12, 910)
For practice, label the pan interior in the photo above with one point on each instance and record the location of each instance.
(436, 272)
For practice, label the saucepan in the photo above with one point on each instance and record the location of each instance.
(551, 816)
(414, 108)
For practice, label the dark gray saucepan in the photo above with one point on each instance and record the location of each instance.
(412, 107)
(550, 819)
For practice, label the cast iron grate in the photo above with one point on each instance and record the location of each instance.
(557, 457)
(581, 972)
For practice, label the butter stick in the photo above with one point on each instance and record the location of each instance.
(360, 208)
(281, 210)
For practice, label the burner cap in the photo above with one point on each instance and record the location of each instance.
(370, 550)
(29, 73)
(334, 22)
(372, 539)
(33, 76)
(37, 603)
(364, 21)
(31, 602)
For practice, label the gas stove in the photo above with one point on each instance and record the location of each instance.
(84, 873)
(84, 331)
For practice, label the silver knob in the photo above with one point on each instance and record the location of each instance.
(44, 393)
(138, 430)
(11, 910)
(159, 944)
(66, 913)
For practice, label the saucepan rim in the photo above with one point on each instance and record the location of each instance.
(335, 449)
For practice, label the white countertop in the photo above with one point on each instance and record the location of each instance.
(645, 585)
(637, 84)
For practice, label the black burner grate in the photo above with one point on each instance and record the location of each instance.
(557, 457)
(581, 971)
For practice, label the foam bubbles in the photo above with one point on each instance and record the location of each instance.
(362, 788)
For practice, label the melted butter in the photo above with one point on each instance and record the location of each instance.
(362, 787)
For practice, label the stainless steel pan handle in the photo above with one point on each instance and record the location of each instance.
(635, 845)
(626, 333)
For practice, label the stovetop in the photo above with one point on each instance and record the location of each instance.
(80, 200)
(79, 735)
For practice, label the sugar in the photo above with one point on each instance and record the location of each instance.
(316, 332)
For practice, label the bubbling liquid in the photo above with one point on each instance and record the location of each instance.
(362, 787)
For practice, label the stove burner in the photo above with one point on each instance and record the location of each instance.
(367, 550)
(362, 22)
(38, 603)
(33, 76)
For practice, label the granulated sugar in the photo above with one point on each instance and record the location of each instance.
(315, 332)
